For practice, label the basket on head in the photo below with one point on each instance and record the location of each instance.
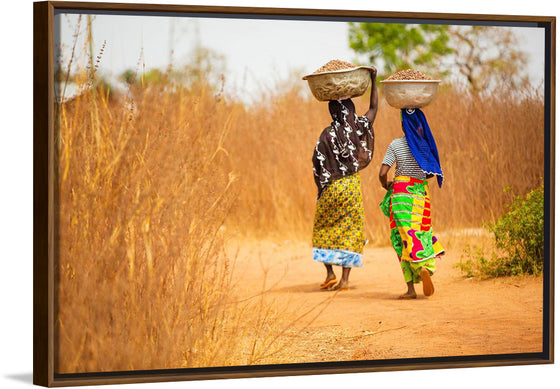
(410, 93)
(337, 84)
(409, 88)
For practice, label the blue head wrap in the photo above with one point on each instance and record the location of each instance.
(421, 142)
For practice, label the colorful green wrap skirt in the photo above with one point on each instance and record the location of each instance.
(338, 227)
(407, 204)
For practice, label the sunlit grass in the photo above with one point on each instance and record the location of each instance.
(152, 185)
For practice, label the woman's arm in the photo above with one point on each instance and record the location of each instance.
(383, 176)
(372, 111)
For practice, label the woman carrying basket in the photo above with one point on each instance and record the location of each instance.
(407, 202)
(343, 148)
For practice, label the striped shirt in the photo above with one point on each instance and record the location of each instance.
(399, 152)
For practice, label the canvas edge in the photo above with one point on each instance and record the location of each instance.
(43, 195)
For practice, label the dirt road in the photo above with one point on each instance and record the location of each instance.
(368, 321)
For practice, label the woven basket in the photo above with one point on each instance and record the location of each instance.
(410, 93)
(336, 84)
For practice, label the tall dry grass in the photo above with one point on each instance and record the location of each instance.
(152, 185)
(143, 279)
(486, 144)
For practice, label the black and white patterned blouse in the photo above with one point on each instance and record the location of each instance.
(345, 147)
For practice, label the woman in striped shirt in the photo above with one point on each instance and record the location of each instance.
(407, 202)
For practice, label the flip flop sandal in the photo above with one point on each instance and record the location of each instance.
(407, 297)
(327, 284)
(427, 285)
(336, 287)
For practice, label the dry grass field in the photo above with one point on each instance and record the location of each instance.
(485, 144)
(155, 187)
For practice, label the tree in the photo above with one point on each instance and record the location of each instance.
(488, 57)
(396, 46)
(482, 57)
(128, 76)
(204, 66)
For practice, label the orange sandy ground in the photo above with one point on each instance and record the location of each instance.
(368, 321)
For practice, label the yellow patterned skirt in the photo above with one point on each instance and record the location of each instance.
(338, 227)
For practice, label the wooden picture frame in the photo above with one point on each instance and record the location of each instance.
(46, 209)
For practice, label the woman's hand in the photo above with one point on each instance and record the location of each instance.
(373, 73)
(383, 176)
(388, 185)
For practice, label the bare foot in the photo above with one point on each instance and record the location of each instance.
(342, 285)
(427, 285)
(408, 296)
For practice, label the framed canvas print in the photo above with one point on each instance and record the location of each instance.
(225, 192)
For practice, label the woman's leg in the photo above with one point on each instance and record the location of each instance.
(331, 277)
(343, 284)
(411, 292)
(330, 272)
(409, 279)
(345, 274)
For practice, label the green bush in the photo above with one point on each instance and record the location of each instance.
(519, 234)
